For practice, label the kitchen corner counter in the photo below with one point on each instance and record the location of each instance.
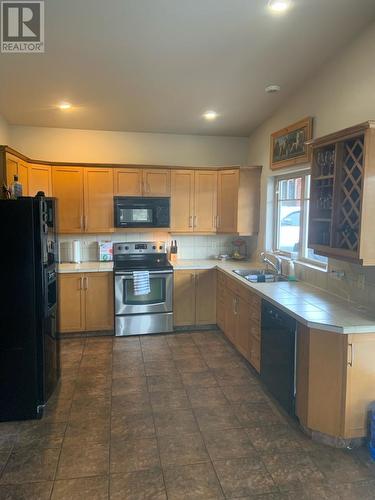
(309, 305)
(85, 267)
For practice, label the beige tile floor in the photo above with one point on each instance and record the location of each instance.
(171, 416)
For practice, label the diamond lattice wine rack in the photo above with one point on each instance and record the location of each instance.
(342, 198)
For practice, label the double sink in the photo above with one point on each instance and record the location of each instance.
(260, 275)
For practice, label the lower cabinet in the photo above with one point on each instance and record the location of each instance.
(85, 302)
(238, 315)
(335, 381)
(194, 297)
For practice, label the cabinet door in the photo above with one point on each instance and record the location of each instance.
(40, 179)
(227, 201)
(67, 187)
(220, 300)
(156, 182)
(184, 298)
(11, 169)
(205, 297)
(99, 301)
(15, 166)
(205, 201)
(243, 327)
(182, 200)
(128, 182)
(255, 353)
(98, 191)
(360, 389)
(71, 303)
(230, 316)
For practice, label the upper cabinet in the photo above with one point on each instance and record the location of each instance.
(342, 197)
(228, 183)
(182, 200)
(40, 179)
(67, 185)
(16, 166)
(142, 182)
(98, 196)
(85, 199)
(193, 201)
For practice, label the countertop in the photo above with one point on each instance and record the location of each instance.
(309, 305)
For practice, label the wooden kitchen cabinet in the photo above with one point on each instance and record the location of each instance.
(184, 297)
(16, 166)
(99, 301)
(194, 300)
(71, 303)
(156, 182)
(342, 195)
(128, 182)
(242, 319)
(227, 209)
(205, 201)
(194, 201)
(98, 196)
(182, 201)
(67, 187)
(142, 182)
(335, 381)
(40, 179)
(85, 302)
(220, 300)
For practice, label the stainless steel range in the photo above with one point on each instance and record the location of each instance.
(149, 312)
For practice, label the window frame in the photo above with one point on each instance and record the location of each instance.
(301, 255)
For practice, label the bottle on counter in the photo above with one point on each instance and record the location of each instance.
(173, 251)
(15, 188)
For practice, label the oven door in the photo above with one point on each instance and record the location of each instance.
(158, 300)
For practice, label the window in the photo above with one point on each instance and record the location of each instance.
(291, 218)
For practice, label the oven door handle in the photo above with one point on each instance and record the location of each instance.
(152, 273)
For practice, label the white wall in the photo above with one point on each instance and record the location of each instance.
(341, 94)
(4, 131)
(73, 145)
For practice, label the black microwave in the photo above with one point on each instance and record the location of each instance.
(141, 211)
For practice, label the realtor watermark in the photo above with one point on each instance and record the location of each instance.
(22, 27)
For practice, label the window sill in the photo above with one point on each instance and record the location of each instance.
(299, 262)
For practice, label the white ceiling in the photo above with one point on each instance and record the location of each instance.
(157, 65)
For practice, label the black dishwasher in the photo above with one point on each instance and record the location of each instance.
(278, 355)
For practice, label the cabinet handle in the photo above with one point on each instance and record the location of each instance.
(86, 222)
(190, 221)
(350, 355)
(195, 221)
(192, 277)
(217, 222)
(81, 222)
(80, 281)
(86, 282)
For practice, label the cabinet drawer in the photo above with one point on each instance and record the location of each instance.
(255, 353)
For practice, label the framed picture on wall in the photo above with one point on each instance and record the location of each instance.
(288, 145)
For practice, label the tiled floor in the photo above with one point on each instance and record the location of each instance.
(174, 416)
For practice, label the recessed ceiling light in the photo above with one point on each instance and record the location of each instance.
(210, 115)
(272, 89)
(279, 5)
(64, 105)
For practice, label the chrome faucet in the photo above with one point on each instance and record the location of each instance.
(275, 266)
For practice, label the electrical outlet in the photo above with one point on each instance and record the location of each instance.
(361, 281)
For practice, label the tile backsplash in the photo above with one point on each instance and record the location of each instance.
(189, 246)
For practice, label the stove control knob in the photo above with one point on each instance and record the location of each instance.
(119, 248)
(160, 248)
(126, 247)
(153, 247)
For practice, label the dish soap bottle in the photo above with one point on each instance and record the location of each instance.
(291, 271)
(15, 188)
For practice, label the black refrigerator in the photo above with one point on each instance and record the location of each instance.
(29, 349)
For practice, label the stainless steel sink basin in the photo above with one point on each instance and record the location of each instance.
(260, 275)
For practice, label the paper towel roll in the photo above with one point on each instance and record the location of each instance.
(76, 251)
